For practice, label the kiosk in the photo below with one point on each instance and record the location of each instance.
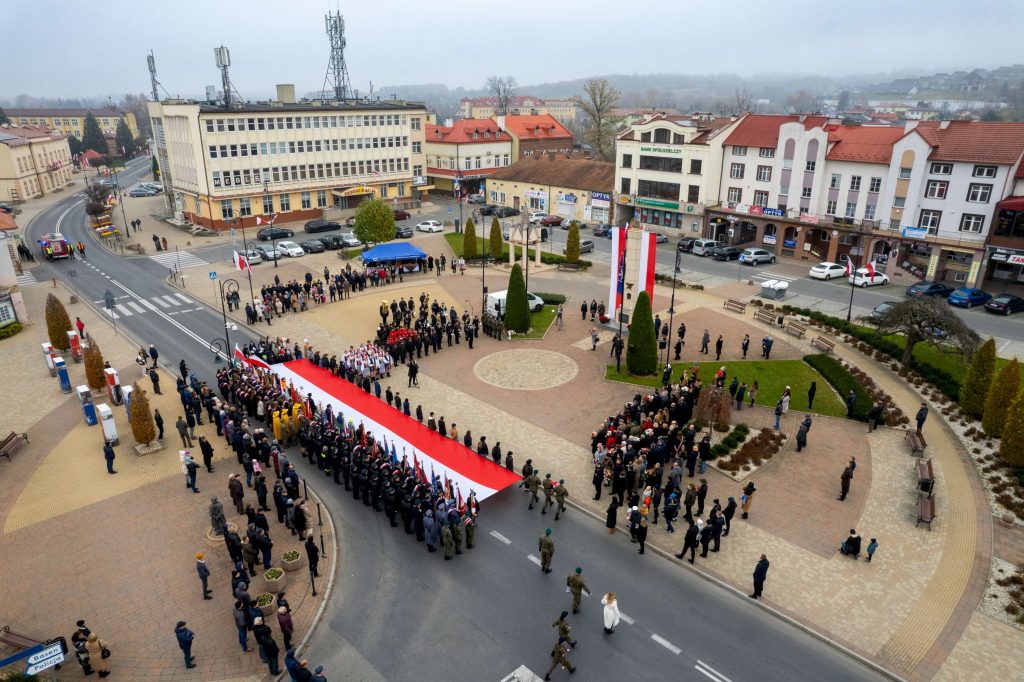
(62, 375)
(113, 385)
(106, 416)
(49, 353)
(75, 344)
(88, 409)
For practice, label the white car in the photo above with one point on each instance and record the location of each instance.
(863, 278)
(827, 271)
(290, 249)
(536, 216)
(430, 226)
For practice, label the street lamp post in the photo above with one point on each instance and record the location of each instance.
(672, 307)
(227, 287)
(120, 200)
(273, 235)
(853, 287)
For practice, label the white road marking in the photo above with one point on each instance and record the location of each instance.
(184, 298)
(148, 304)
(169, 300)
(626, 618)
(123, 310)
(707, 670)
(533, 559)
(665, 643)
(501, 537)
(522, 674)
(161, 302)
(112, 314)
(135, 306)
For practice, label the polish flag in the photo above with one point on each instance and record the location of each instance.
(871, 269)
(849, 267)
(251, 361)
(259, 220)
(241, 262)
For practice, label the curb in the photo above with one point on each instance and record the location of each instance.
(718, 582)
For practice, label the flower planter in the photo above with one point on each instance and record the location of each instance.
(266, 603)
(1008, 519)
(275, 579)
(291, 561)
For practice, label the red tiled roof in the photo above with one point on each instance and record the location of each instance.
(862, 144)
(7, 222)
(997, 142)
(462, 132)
(762, 130)
(543, 127)
(29, 131)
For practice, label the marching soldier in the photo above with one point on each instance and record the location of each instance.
(558, 658)
(549, 488)
(560, 494)
(470, 523)
(577, 586)
(455, 522)
(447, 541)
(533, 483)
(547, 548)
(564, 628)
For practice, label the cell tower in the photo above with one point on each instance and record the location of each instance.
(337, 72)
(152, 75)
(223, 59)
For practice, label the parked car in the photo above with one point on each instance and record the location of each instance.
(727, 252)
(312, 246)
(429, 226)
(1005, 304)
(268, 233)
(349, 240)
(756, 257)
(863, 277)
(321, 226)
(551, 220)
(660, 238)
(603, 230)
(6, 208)
(487, 209)
(536, 216)
(403, 231)
(290, 249)
(402, 215)
(686, 244)
(968, 297)
(929, 289)
(586, 246)
(826, 271)
(506, 211)
(252, 255)
(705, 247)
(268, 251)
(155, 186)
(476, 198)
(142, 192)
(881, 310)
(331, 241)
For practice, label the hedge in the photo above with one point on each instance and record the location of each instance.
(550, 299)
(943, 380)
(841, 380)
(730, 442)
(10, 330)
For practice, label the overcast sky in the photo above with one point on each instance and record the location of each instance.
(66, 48)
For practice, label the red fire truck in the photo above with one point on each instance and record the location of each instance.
(54, 246)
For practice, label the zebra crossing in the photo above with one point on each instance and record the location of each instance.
(126, 306)
(178, 259)
(27, 278)
(766, 275)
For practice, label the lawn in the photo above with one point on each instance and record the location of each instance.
(772, 377)
(539, 323)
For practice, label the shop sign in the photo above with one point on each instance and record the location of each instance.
(1015, 259)
(657, 203)
(419, 180)
(1007, 256)
(809, 218)
(600, 199)
(770, 239)
(914, 232)
(536, 194)
(972, 276)
(776, 212)
(660, 150)
(567, 198)
(789, 243)
(742, 208)
(756, 210)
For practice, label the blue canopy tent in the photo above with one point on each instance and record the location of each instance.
(393, 252)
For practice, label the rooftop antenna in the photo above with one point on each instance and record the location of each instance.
(152, 75)
(223, 59)
(337, 71)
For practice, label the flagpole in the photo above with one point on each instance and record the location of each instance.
(248, 266)
(621, 277)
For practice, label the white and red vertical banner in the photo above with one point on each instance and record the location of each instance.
(648, 262)
(617, 283)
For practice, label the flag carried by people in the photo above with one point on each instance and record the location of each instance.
(849, 267)
(871, 269)
(241, 262)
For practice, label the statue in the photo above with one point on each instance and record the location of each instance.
(217, 520)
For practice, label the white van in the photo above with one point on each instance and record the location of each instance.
(496, 303)
(705, 247)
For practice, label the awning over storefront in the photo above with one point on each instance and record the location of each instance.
(1011, 204)
(353, 191)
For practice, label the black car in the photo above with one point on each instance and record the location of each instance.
(403, 231)
(1005, 304)
(268, 233)
(506, 211)
(487, 209)
(6, 208)
(322, 226)
(727, 252)
(330, 241)
(603, 230)
(313, 246)
(929, 289)
(686, 245)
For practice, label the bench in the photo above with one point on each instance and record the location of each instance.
(824, 344)
(11, 443)
(925, 476)
(572, 267)
(766, 316)
(917, 443)
(796, 329)
(735, 306)
(925, 511)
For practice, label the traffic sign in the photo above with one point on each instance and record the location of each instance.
(213, 275)
(49, 652)
(108, 299)
(46, 663)
(449, 209)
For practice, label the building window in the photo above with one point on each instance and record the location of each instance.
(736, 171)
(660, 190)
(931, 220)
(661, 163)
(244, 207)
(693, 194)
(784, 190)
(899, 202)
(286, 202)
(414, 123)
(984, 171)
(876, 185)
(226, 211)
(869, 212)
(942, 168)
(321, 198)
(855, 183)
(905, 173)
(739, 151)
(695, 165)
(764, 173)
(268, 204)
(209, 125)
(936, 189)
(624, 186)
(805, 192)
(761, 198)
(627, 160)
(810, 166)
(979, 194)
(416, 148)
(837, 180)
(830, 209)
(306, 200)
(851, 209)
(766, 152)
(971, 222)
(735, 195)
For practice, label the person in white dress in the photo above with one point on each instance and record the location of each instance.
(611, 612)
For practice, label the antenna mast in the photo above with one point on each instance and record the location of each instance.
(223, 59)
(337, 71)
(151, 61)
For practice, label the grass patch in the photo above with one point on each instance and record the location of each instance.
(539, 323)
(455, 242)
(772, 377)
(843, 381)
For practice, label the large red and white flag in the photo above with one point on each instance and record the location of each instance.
(849, 267)
(648, 262)
(251, 361)
(241, 262)
(871, 269)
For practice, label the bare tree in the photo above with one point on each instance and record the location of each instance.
(598, 100)
(714, 406)
(502, 89)
(743, 102)
(802, 102)
(928, 319)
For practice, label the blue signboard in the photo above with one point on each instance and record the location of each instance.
(914, 232)
(777, 212)
(789, 243)
(601, 196)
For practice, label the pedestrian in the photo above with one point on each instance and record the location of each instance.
(801, 436)
(760, 575)
(747, 498)
(272, 653)
(108, 454)
(785, 399)
(844, 483)
(920, 417)
(719, 342)
(611, 515)
(291, 665)
(598, 479)
(561, 649)
(204, 575)
(81, 326)
(611, 612)
(284, 620)
(728, 513)
(577, 586)
(236, 491)
(318, 671)
(583, 310)
(704, 341)
(154, 355)
(242, 624)
(745, 345)
(810, 394)
(191, 467)
(560, 494)
(706, 531)
(778, 414)
(593, 309)
(558, 317)
(79, 639)
(447, 540)
(183, 368)
(593, 338)
(875, 416)
(98, 654)
(690, 541)
(549, 490)
(546, 546)
(154, 376)
(313, 555)
(872, 547)
(851, 398)
(185, 639)
(741, 393)
(182, 426)
(564, 628)
(641, 534)
(754, 390)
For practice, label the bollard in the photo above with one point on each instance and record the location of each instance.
(54, 280)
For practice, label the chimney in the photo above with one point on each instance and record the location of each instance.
(286, 93)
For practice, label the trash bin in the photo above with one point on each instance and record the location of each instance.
(768, 289)
(779, 289)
